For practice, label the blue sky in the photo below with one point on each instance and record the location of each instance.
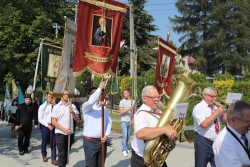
(161, 10)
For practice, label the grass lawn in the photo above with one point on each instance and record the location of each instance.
(116, 126)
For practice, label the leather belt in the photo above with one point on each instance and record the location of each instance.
(92, 138)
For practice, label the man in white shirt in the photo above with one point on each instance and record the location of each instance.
(92, 132)
(145, 121)
(63, 114)
(126, 111)
(231, 147)
(47, 130)
(207, 119)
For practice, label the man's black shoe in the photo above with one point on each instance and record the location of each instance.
(26, 152)
(21, 152)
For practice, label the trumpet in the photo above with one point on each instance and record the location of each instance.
(221, 103)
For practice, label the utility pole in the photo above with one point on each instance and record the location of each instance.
(133, 53)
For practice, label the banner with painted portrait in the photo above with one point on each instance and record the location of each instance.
(98, 37)
(165, 67)
(51, 61)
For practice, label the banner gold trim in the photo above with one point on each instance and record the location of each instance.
(98, 59)
(161, 85)
(105, 5)
(93, 72)
(168, 48)
(48, 44)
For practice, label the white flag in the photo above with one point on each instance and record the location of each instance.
(65, 79)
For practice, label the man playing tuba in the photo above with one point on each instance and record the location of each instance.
(145, 121)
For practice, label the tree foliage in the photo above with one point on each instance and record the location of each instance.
(144, 40)
(23, 24)
(217, 30)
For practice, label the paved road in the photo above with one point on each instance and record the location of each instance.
(181, 156)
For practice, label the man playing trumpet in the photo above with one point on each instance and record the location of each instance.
(207, 119)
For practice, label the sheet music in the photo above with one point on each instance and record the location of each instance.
(233, 97)
(180, 110)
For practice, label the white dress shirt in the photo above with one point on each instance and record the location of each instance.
(142, 119)
(44, 114)
(64, 117)
(228, 152)
(92, 116)
(200, 113)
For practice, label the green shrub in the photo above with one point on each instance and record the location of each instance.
(223, 87)
(189, 135)
(223, 77)
(201, 80)
(242, 87)
(246, 77)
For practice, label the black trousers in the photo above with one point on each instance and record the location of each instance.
(24, 139)
(137, 161)
(93, 152)
(62, 147)
(203, 151)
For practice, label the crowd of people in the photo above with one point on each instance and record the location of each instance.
(212, 144)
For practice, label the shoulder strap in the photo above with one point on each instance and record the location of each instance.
(151, 113)
(238, 141)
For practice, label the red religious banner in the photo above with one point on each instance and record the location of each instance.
(165, 67)
(99, 30)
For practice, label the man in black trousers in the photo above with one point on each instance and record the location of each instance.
(25, 114)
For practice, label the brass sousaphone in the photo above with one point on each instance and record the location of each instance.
(157, 150)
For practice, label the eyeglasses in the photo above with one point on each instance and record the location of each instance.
(212, 96)
(247, 121)
(154, 97)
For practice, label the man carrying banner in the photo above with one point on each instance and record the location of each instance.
(92, 132)
(61, 114)
(47, 130)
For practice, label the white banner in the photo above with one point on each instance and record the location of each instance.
(65, 79)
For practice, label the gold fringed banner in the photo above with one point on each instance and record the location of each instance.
(98, 37)
(165, 67)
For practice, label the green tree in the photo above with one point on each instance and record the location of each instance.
(144, 40)
(23, 24)
(231, 37)
(217, 30)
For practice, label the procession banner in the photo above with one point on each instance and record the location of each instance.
(14, 89)
(51, 59)
(7, 97)
(20, 97)
(165, 67)
(98, 37)
(65, 79)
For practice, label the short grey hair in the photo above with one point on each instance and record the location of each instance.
(209, 89)
(236, 108)
(145, 90)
